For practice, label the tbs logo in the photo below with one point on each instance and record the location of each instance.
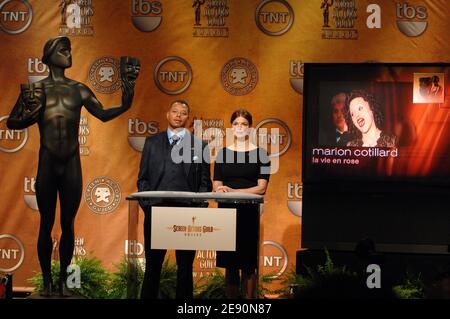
(36, 70)
(411, 21)
(145, 15)
(29, 190)
(138, 130)
(295, 196)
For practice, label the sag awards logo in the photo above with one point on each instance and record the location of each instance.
(274, 17)
(343, 14)
(12, 253)
(76, 17)
(411, 20)
(173, 75)
(193, 230)
(104, 75)
(102, 195)
(15, 16)
(139, 130)
(212, 131)
(296, 71)
(239, 76)
(215, 12)
(83, 133)
(146, 15)
(205, 263)
(295, 195)
(11, 140)
(36, 70)
(79, 249)
(275, 258)
(275, 135)
(29, 190)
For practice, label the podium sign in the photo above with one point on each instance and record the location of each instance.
(193, 228)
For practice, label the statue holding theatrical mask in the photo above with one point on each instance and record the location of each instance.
(55, 103)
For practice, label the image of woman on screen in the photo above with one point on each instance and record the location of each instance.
(241, 167)
(364, 113)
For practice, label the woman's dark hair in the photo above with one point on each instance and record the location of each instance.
(242, 113)
(373, 105)
(50, 47)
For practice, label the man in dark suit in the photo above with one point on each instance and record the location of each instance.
(173, 160)
(339, 135)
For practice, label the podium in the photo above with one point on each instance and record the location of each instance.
(191, 200)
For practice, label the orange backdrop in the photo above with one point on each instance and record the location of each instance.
(236, 54)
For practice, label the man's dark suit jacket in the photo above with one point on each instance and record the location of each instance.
(154, 157)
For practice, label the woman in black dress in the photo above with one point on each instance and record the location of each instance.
(242, 167)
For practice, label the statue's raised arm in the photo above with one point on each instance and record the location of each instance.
(129, 71)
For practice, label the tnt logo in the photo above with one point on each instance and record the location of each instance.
(275, 258)
(12, 253)
(173, 75)
(274, 17)
(275, 135)
(138, 130)
(145, 15)
(36, 70)
(15, 16)
(11, 140)
(411, 20)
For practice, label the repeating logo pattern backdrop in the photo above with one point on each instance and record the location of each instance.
(218, 55)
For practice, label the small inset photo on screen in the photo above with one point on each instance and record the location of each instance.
(428, 88)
